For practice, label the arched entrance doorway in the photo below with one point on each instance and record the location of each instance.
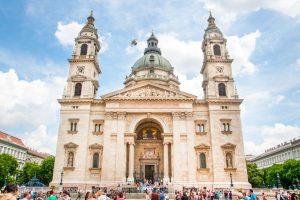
(148, 162)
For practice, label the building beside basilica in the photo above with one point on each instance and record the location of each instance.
(150, 129)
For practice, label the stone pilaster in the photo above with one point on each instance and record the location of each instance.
(121, 148)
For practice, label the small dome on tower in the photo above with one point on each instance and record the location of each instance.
(212, 31)
(89, 26)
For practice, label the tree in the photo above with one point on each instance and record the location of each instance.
(46, 170)
(271, 175)
(29, 170)
(255, 175)
(8, 168)
(290, 173)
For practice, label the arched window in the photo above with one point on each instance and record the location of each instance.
(83, 50)
(229, 163)
(202, 160)
(222, 89)
(217, 50)
(78, 87)
(70, 159)
(96, 160)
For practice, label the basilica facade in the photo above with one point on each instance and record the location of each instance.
(150, 129)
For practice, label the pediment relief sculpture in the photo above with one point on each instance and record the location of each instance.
(228, 146)
(148, 91)
(70, 145)
(202, 146)
(96, 146)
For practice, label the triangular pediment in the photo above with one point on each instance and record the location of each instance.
(70, 145)
(202, 146)
(228, 146)
(149, 91)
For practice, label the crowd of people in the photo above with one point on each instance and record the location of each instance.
(156, 191)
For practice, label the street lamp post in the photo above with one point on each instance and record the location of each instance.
(278, 181)
(61, 177)
(231, 183)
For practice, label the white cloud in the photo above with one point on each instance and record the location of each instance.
(66, 33)
(185, 56)
(193, 85)
(271, 136)
(264, 98)
(30, 104)
(241, 49)
(228, 11)
(41, 140)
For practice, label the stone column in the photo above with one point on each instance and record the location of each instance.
(131, 162)
(166, 164)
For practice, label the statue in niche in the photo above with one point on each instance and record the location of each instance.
(229, 160)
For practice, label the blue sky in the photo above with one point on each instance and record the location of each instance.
(36, 38)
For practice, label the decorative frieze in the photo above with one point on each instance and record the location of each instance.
(115, 115)
(182, 115)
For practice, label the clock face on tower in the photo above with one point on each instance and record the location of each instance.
(220, 69)
(80, 69)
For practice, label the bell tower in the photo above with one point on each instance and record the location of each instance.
(216, 69)
(84, 67)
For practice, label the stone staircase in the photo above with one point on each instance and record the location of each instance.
(138, 196)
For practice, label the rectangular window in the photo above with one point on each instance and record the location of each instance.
(200, 126)
(226, 126)
(73, 126)
(98, 127)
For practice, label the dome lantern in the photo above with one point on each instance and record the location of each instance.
(152, 45)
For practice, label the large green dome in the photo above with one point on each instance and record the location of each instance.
(152, 60)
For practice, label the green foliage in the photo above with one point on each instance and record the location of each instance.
(43, 172)
(46, 170)
(29, 170)
(289, 173)
(271, 175)
(255, 175)
(8, 168)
